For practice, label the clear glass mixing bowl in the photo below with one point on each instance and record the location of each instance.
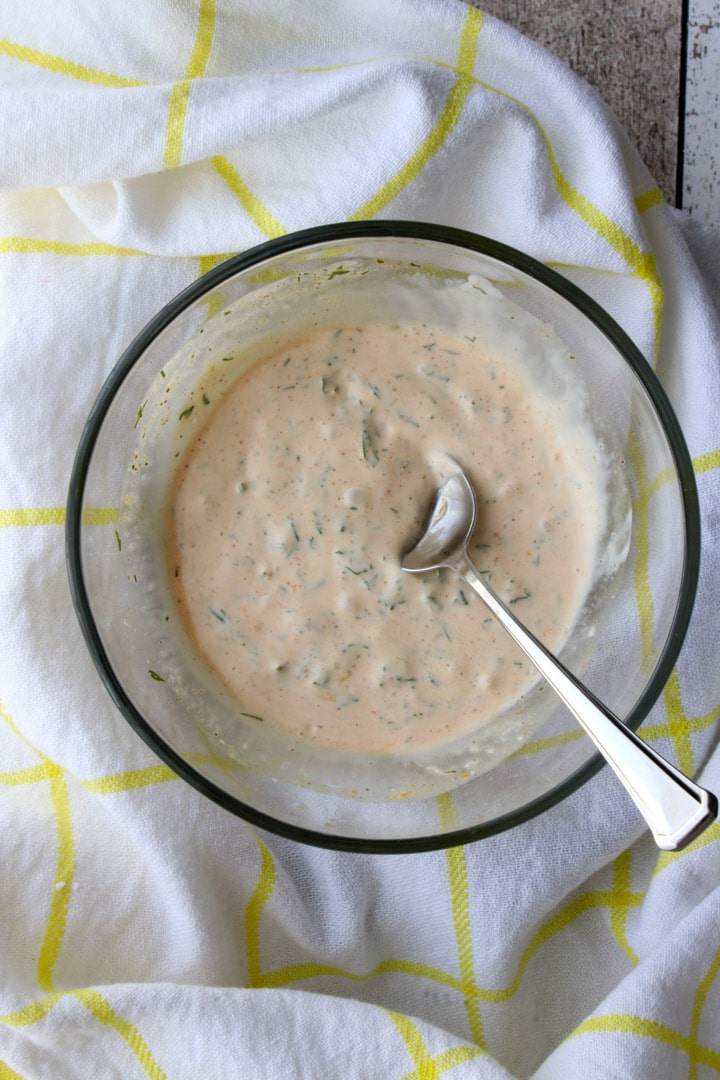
(625, 649)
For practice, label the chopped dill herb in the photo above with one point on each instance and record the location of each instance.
(368, 452)
(118, 540)
(154, 675)
(434, 374)
(186, 412)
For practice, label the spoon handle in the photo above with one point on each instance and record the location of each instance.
(675, 808)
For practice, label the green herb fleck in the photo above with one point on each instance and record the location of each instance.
(118, 540)
(252, 716)
(358, 572)
(434, 374)
(186, 412)
(206, 399)
(154, 675)
(138, 418)
(368, 452)
(221, 615)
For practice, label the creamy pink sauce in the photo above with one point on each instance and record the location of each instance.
(314, 471)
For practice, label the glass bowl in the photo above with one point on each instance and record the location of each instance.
(627, 638)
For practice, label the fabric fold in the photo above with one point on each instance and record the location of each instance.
(144, 931)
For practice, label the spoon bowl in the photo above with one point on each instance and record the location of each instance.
(675, 808)
(448, 529)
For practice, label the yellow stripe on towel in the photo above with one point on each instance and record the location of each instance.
(65, 67)
(54, 515)
(462, 86)
(180, 93)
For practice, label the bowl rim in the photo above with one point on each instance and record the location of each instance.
(347, 231)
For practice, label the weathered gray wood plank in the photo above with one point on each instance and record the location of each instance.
(629, 50)
(701, 186)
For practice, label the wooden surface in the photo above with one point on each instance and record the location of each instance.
(630, 51)
(701, 175)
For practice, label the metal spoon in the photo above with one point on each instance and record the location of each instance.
(675, 808)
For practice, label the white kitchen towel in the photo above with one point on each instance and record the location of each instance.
(144, 931)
